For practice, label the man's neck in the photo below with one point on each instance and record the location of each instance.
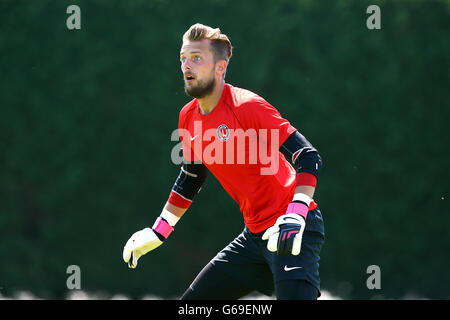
(208, 103)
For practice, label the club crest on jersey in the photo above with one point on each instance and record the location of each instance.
(223, 132)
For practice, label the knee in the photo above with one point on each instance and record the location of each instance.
(295, 289)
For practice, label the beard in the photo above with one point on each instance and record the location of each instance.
(201, 90)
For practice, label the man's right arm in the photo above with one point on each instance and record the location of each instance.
(186, 187)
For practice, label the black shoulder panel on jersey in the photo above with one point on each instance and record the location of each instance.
(301, 154)
(190, 180)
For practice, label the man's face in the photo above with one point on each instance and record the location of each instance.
(198, 67)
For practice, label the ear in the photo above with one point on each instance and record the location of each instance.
(221, 67)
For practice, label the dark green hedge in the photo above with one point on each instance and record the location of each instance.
(86, 118)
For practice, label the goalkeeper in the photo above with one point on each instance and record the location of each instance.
(278, 250)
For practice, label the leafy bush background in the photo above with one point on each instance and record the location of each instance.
(86, 118)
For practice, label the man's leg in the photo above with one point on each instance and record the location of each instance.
(213, 284)
(295, 289)
(297, 277)
(234, 272)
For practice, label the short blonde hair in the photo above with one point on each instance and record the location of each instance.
(220, 44)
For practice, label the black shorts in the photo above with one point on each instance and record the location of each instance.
(247, 258)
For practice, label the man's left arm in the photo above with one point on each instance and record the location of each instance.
(305, 160)
(285, 236)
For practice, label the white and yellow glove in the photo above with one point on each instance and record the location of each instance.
(148, 239)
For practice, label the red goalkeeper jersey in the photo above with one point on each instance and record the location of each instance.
(239, 141)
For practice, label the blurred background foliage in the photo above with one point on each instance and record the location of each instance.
(86, 119)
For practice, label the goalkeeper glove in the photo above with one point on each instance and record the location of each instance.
(285, 236)
(148, 239)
